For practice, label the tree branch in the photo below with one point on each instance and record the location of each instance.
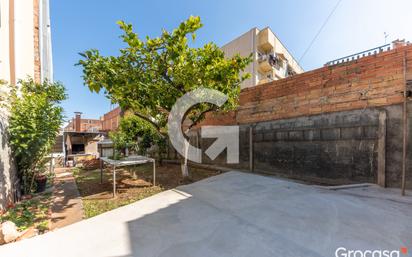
(166, 77)
(148, 120)
(201, 115)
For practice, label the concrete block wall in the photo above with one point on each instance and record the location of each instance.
(338, 147)
(244, 146)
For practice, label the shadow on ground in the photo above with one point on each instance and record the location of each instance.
(245, 215)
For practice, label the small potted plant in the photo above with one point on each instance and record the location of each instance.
(41, 181)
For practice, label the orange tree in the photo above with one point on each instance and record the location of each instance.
(149, 75)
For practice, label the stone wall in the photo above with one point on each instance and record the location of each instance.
(8, 175)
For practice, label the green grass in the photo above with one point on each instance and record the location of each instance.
(29, 213)
(93, 207)
(83, 176)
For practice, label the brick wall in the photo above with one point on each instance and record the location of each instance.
(111, 120)
(84, 125)
(90, 124)
(368, 82)
(371, 81)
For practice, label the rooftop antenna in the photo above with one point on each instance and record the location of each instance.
(386, 36)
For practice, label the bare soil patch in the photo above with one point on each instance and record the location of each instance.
(133, 184)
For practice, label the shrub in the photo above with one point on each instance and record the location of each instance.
(35, 120)
(136, 134)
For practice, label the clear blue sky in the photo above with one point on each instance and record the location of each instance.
(78, 25)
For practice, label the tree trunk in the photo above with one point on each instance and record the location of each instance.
(184, 167)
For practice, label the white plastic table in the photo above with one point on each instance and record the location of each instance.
(128, 161)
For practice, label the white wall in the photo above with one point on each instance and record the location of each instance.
(280, 48)
(247, 44)
(4, 41)
(244, 45)
(24, 38)
(46, 59)
(24, 44)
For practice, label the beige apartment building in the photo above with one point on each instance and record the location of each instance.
(25, 51)
(271, 59)
(25, 48)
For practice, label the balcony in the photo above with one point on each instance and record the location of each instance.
(264, 80)
(280, 73)
(266, 40)
(272, 63)
(265, 64)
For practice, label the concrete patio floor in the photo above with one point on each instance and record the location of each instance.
(237, 214)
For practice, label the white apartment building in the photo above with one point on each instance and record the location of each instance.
(271, 59)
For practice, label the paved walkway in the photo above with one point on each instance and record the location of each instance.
(67, 205)
(237, 214)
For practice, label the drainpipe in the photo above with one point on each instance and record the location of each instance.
(45, 49)
(12, 46)
(41, 44)
(405, 127)
(254, 47)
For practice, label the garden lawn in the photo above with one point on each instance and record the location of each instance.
(133, 184)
